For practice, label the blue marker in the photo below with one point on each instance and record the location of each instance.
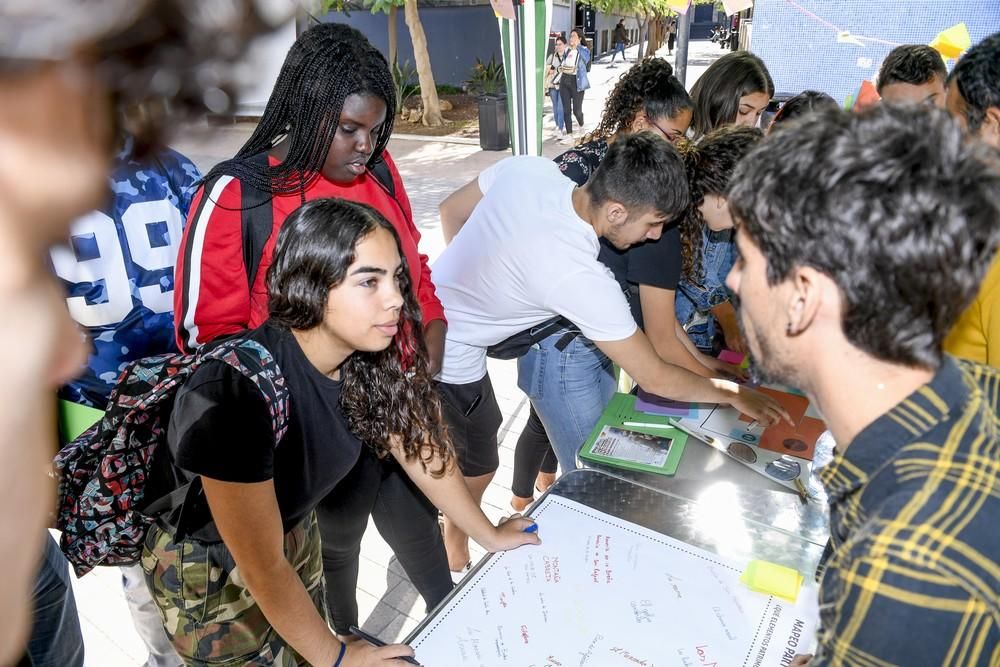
(533, 528)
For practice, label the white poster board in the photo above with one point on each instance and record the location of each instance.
(603, 592)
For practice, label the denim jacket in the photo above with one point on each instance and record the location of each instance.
(694, 300)
(582, 82)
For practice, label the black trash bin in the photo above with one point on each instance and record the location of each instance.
(494, 134)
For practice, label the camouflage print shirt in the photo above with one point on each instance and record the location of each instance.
(118, 268)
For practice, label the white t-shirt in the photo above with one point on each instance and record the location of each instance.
(523, 257)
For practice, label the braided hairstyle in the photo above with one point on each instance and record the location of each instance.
(649, 87)
(709, 164)
(326, 64)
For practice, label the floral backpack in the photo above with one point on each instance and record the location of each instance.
(102, 510)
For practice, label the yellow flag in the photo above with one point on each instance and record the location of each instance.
(954, 41)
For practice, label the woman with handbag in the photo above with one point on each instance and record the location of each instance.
(574, 82)
(553, 74)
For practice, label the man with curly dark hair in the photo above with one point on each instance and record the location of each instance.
(862, 237)
(912, 74)
(974, 90)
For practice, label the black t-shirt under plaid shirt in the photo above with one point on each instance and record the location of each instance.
(915, 525)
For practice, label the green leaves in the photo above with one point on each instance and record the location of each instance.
(486, 78)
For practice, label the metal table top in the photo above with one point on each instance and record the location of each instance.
(710, 477)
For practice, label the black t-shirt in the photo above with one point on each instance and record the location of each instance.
(220, 427)
(655, 263)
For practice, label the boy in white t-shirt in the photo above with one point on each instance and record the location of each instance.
(527, 252)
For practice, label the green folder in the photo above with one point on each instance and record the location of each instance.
(654, 447)
(74, 419)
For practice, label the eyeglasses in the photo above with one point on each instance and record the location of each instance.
(669, 136)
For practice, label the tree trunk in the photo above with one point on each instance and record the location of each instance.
(428, 92)
(641, 40)
(393, 36)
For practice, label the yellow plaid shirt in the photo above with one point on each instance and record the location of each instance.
(913, 577)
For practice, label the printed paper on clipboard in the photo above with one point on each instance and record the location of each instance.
(782, 453)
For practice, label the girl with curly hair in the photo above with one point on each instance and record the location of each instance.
(246, 582)
(646, 98)
(709, 164)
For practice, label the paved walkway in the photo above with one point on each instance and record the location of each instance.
(389, 606)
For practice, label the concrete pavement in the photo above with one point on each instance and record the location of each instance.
(431, 169)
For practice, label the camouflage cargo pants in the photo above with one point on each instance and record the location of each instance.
(208, 612)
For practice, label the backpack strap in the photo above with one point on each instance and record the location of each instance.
(257, 221)
(380, 170)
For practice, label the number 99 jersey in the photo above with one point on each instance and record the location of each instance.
(118, 268)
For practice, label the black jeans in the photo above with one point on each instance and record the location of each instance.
(532, 453)
(571, 98)
(405, 518)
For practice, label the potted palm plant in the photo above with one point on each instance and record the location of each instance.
(488, 84)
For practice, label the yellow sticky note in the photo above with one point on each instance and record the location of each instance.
(773, 579)
(954, 41)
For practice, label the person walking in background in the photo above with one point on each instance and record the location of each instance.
(553, 75)
(671, 36)
(574, 82)
(620, 39)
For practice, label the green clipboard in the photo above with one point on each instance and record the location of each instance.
(644, 448)
(74, 419)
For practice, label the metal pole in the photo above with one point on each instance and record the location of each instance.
(519, 75)
(683, 37)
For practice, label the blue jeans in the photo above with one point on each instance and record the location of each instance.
(619, 48)
(56, 639)
(694, 300)
(557, 109)
(569, 390)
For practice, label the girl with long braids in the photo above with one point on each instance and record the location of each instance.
(344, 332)
(646, 98)
(323, 134)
